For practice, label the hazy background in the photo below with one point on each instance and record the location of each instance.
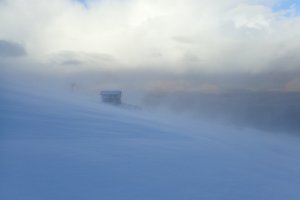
(235, 61)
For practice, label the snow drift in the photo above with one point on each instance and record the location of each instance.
(57, 145)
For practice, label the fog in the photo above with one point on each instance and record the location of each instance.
(269, 102)
(232, 61)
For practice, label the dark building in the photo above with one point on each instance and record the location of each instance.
(111, 97)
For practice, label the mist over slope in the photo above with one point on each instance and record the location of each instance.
(272, 111)
(61, 145)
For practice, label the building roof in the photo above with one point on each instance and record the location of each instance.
(111, 92)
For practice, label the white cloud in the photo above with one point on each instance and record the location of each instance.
(212, 36)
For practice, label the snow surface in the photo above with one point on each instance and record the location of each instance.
(55, 145)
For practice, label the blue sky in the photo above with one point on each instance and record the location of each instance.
(286, 4)
(83, 2)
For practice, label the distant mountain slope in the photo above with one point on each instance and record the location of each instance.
(55, 145)
(273, 111)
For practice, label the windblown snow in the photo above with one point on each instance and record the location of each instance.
(57, 146)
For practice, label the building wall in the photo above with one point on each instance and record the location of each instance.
(111, 98)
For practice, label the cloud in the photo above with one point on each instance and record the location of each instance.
(90, 60)
(11, 49)
(183, 45)
(210, 36)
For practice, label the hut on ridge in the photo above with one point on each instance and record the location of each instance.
(111, 96)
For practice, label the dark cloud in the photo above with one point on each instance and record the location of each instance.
(11, 49)
(81, 58)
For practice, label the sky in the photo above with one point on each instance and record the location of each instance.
(282, 5)
(254, 41)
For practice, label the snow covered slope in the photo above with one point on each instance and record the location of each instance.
(56, 146)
